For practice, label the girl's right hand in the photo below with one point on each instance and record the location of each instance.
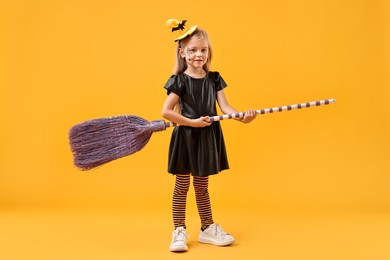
(202, 121)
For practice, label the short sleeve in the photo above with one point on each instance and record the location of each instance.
(219, 81)
(175, 84)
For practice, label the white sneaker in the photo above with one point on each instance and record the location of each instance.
(179, 240)
(215, 235)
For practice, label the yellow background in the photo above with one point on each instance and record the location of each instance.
(309, 176)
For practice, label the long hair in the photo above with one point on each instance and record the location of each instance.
(181, 64)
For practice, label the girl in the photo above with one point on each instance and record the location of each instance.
(197, 146)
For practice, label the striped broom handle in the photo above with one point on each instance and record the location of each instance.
(268, 110)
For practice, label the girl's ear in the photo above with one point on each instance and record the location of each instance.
(181, 52)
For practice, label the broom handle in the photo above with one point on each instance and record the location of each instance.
(267, 110)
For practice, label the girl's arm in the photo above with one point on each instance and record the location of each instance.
(226, 108)
(173, 116)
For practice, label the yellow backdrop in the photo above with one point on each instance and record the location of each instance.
(63, 62)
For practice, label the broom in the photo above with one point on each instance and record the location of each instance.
(99, 141)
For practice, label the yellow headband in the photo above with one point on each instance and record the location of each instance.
(179, 26)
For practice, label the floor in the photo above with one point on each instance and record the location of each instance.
(145, 234)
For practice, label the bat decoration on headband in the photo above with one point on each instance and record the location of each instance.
(176, 24)
(180, 26)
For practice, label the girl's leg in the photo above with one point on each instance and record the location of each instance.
(182, 185)
(203, 200)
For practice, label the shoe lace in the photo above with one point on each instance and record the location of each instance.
(180, 234)
(218, 231)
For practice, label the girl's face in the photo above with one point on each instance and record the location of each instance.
(195, 53)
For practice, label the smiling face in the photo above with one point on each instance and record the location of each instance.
(195, 53)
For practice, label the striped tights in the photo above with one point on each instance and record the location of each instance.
(182, 185)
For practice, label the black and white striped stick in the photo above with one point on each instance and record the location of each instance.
(268, 110)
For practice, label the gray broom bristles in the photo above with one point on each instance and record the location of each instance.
(99, 141)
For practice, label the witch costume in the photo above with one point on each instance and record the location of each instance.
(199, 151)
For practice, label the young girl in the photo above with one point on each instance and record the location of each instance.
(197, 146)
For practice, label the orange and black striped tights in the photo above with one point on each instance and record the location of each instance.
(182, 186)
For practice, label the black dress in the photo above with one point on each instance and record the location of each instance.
(199, 151)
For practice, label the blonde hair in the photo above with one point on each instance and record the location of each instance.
(181, 64)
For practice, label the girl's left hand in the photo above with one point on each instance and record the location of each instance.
(250, 114)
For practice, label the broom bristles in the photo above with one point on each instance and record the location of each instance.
(99, 141)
